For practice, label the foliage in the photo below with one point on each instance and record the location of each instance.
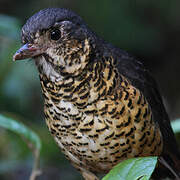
(21, 129)
(176, 125)
(133, 169)
(31, 138)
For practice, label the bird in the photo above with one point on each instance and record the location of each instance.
(101, 105)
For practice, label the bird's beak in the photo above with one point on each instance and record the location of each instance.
(27, 51)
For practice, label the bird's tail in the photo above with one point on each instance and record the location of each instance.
(172, 163)
(174, 169)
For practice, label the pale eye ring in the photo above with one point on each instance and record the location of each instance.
(55, 34)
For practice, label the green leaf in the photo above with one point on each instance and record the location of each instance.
(30, 137)
(133, 169)
(20, 129)
(176, 125)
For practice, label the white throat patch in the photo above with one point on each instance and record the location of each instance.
(47, 69)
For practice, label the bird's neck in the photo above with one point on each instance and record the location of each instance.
(98, 80)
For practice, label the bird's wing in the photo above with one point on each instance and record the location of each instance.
(140, 78)
(135, 72)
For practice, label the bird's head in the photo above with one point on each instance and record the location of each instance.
(58, 40)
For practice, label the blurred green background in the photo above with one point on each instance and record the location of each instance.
(148, 29)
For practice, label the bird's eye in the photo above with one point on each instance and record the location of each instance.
(55, 34)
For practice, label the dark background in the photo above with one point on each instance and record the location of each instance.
(150, 30)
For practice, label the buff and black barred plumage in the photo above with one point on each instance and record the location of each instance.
(101, 105)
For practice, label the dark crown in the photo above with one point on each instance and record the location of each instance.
(46, 18)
